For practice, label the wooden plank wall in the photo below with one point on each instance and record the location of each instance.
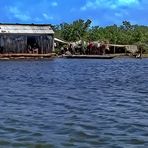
(18, 43)
(13, 44)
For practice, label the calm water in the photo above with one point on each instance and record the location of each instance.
(65, 103)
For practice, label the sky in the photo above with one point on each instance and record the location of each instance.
(101, 12)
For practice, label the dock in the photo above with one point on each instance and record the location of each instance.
(25, 56)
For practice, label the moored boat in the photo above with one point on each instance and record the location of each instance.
(88, 56)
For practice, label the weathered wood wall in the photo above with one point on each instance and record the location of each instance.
(18, 43)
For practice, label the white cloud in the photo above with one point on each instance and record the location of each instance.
(112, 4)
(127, 2)
(54, 4)
(18, 14)
(47, 17)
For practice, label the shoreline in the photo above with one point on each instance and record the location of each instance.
(26, 56)
(145, 55)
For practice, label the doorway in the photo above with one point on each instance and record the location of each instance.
(33, 45)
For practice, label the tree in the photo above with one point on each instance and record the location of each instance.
(75, 31)
(126, 33)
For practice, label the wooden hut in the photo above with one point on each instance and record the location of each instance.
(26, 38)
(114, 48)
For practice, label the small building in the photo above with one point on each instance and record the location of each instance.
(114, 48)
(26, 38)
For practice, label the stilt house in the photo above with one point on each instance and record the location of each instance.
(26, 38)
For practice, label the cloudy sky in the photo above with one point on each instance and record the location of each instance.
(101, 12)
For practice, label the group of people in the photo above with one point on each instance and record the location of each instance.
(33, 49)
(91, 48)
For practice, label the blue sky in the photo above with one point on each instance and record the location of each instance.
(101, 12)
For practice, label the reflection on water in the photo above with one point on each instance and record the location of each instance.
(74, 103)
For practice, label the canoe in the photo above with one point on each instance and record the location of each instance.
(88, 56)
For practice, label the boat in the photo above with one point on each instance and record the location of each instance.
(88, 56)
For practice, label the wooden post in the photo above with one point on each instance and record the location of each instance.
(125, 50)
(114, 49)
(42, 44)
(141, 53)
(53, 48)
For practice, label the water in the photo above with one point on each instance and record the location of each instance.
(65, 103)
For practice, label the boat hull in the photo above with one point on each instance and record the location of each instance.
(88, 56)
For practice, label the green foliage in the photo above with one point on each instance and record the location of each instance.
(126, 33)
(142, 46)
(72, 32)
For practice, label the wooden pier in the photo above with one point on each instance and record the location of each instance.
(26, 56)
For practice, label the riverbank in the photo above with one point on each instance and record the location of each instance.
(128, 55)
(53, 55)
(145, 55)
(109, 56)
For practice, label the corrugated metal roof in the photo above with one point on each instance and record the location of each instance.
(25, 29)
(61, 41)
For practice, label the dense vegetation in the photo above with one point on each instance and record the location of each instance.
(126, 33)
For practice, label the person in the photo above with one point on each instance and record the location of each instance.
(70, 49)
(29, 49)
(62, 50)
(35, 48)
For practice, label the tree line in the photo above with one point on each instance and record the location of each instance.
(126, 33)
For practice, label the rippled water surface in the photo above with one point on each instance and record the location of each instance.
(65, 103)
